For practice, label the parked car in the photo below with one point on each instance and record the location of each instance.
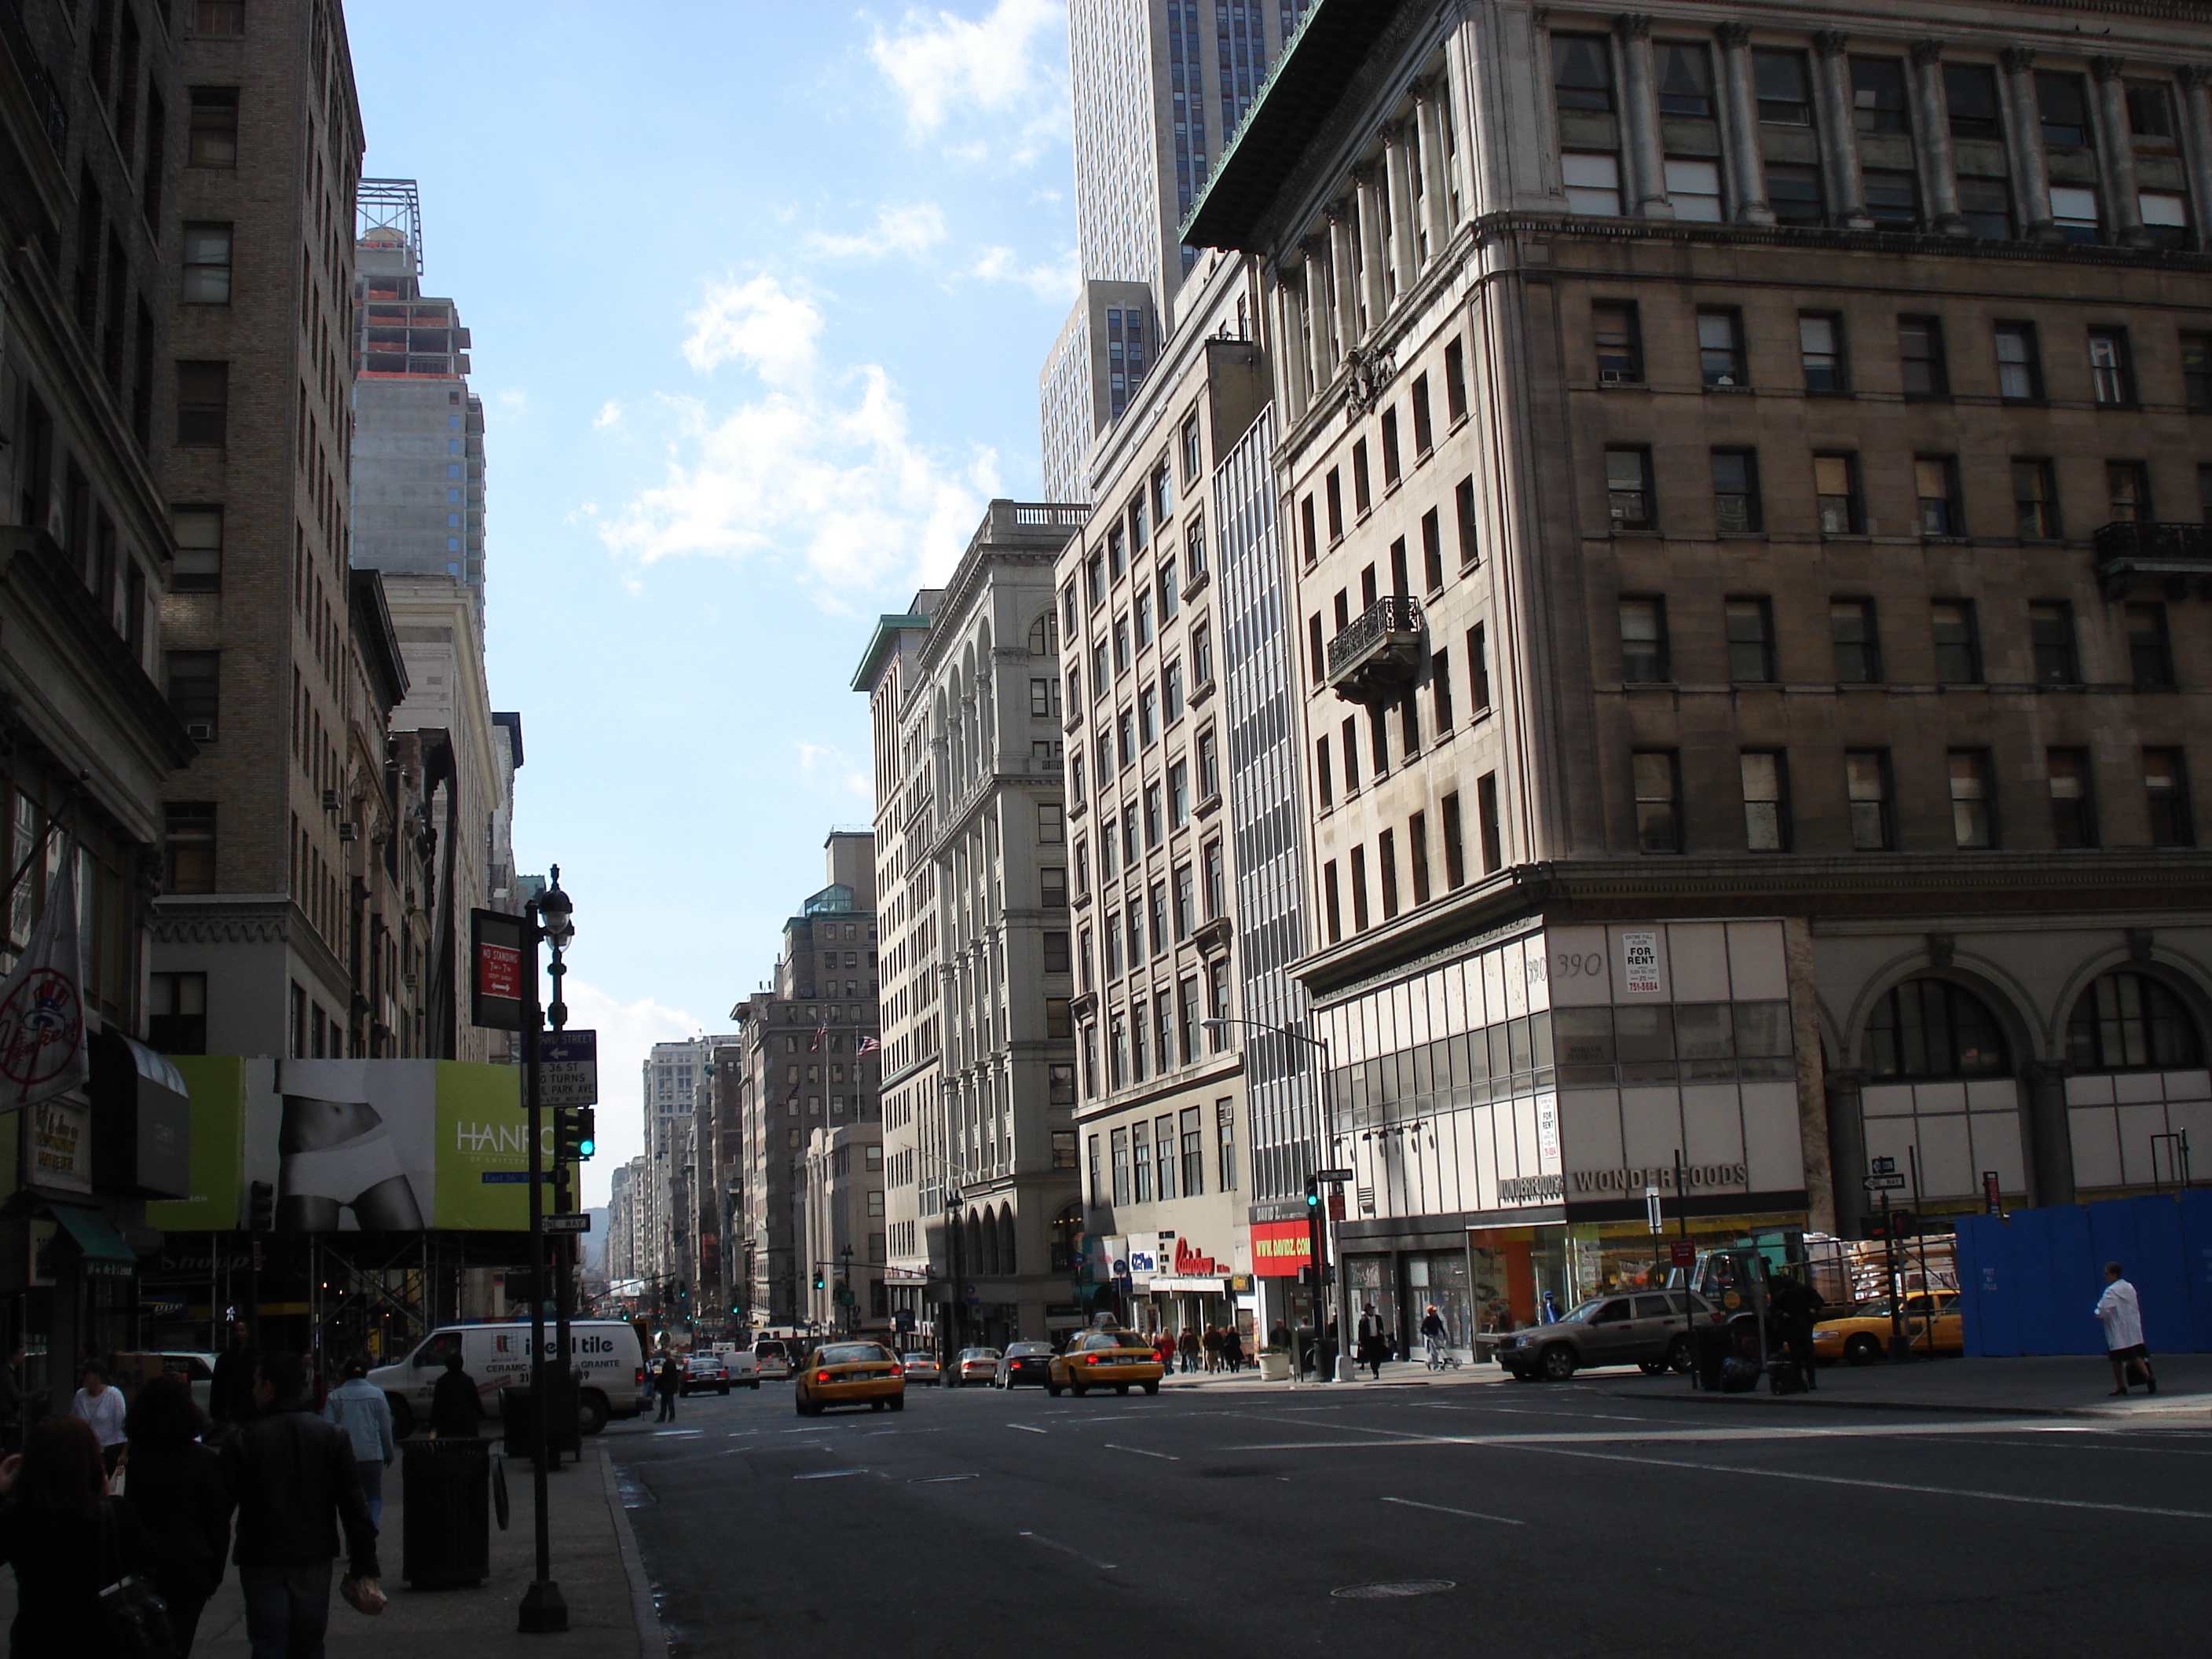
(703, 1373)
(1644, 1328)
(920, 1367)
(1933, 1324)
(606, 1354)
(773, 1358)
(974, 1365)
(850, 1374)
(1119, 1360)
(1024, 1362)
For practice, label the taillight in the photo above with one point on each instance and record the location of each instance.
(821, 1376)
(640, 1377)
(1092, 1360)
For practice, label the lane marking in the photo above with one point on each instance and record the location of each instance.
(1446, 1509)
(1026, 1428)
(1165, 1457)
(1066, 1549)
(936, 1479)
(675, 1434)
(829, 1474)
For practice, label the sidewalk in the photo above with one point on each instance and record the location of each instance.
(595, 1562)
(2043, 1386)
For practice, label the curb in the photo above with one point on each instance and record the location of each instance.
(652, 1639)
(1948, 1408)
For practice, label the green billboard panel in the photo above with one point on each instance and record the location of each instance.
(218, 1086)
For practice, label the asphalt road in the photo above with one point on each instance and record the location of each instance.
(1547, 1520)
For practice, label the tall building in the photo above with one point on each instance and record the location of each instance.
(1742, 594)
(621, 1258)
(671, 1074)
(1088, 376)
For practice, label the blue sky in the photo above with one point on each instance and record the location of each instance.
(759, 293)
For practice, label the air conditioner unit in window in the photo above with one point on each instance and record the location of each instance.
(330, 800)
(348, 831)
(200, 731)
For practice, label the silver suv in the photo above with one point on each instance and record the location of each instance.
(1644, 1329)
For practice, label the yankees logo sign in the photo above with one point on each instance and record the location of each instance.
(42, 1038)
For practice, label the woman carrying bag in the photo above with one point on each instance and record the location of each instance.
(176, 1489)
(69, 1541)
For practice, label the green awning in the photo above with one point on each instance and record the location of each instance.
(96, 1239)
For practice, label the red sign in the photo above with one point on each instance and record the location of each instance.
(499, 970)
(1279, 1249)
(1336, 1204)
(1682, 1253)
(1189, 1264)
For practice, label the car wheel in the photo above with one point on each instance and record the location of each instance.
(1556, 1362)
(1861, 1349)
(875, 1405)
(1151, 1388)
(1053, 1388)
(1522, 1376)
(403, 1417)
(1121, 1388)
(1679, 1358)
(1079, 1389)
(898, 1402)
(591, 1412)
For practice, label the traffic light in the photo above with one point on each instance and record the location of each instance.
(817, 1278)
(587, 1132)
(261, 1207)
(573, 1138)
(1313, 1194)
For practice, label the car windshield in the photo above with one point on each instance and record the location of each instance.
(852, 1353)
(979, 1353)
(917, 1359)
(1582, 1314)
(706, 1359)
(1102, 1339)
(768, 1350)
(1020, 1348)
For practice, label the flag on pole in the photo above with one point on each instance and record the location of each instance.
(868, 1046)
(820, 1032)
(42, 1038)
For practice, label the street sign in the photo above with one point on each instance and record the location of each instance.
(1992, 1193)
(1336, 1204)
(1885, 1183)
(1682, 1253)
(1883, 1166)
(568, 1069)
(567, 1224)
(1651, 1209)
(497, 964)
(1335, 1175)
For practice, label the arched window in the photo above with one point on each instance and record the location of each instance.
(1044, 635)
(1007, 1262)
(1930, 1028)
(2131, 1022)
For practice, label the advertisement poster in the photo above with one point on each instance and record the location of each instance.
(57, 1147)
(217, 1085)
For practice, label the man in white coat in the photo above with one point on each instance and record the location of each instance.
(2121, 1315)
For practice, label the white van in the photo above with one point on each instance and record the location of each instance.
(610, 1361)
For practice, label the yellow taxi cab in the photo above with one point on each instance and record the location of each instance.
(1932, 1323)
(851, 1374)
(1105, 1359)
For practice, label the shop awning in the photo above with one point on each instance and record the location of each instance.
(1217, 1287)
(96, 1239)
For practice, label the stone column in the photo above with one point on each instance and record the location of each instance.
(1644, 190)
(1404, 241)
(2197, 138)
(1291, 342)
(2031, 178)
(1847, 1152)
(1374, 257)
(1839, 145)
(1346, 271)
(1746, 166)
(2047, 1133)
(1435, 192)
(2116, 154)
(1320, 354)
(1939, 177)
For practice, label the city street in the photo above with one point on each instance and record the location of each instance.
(1557, 1519)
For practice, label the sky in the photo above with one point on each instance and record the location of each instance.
(758, 295)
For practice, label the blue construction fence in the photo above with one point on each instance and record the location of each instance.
(2027, 1281)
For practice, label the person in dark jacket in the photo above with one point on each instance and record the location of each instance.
(296, 1483)
(177, 1491)
(668, 1383)
(12, 1401)
(66, 1539)
(1797, 1308)
(1374, 1349)
(230, 1395)
(456, 1408)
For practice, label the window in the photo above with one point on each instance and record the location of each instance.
(1142, 1141)
(188, 846)
(1194, 1151)
(1720, 348)
(1821, 349)
(1765, 804)
(1209, 765)
(1628, 488)
(206, 265)
(1935, 483)
(1193, 545)
(1958, 651)
(1858, 654)
(2073, 807)
(1148, 716)
(1194, 458)
(1186, 897)
(1582, 72)
(1694, 187)
(1878, 102)
(1201, 655)
(1593, 182)
(203, 403)
(2035, 501)
(1094, 580)
(1121, 1144)
(1044, 635)
(1929, 1028)
(1363, 495)
(1217, 883)
(1735, 490)
(2165, 791)
(176, 1013)
(1116, 559)
(1324, 780)
(1052, 889)
(2127, 488)
(2196, 370)
(1187, 1017)
(1440, 695)
(1835, 488)
(1986, 206)
(2063, 105)
(1178, 794)
(2127, 1021)
(1973, 822)
(1866, 784)
(1044, 699)
(1052, 820)
(1217, 1003)
(1658, 812)
(1113, 944)
(1358, 870)
(1057, 1022)
(2150, 651)
(1333, 488)
(1644, 641)
(2165, 215)
(1330, 904)
(213, 140)
(1224, 1142)
(1794, 193)
(1618, 341)
(1486, 823)
(1416, 852)
(194, 692)
(198, 568)
(2051, 629)
(1142, 611)
(1390, 464)
(1750, 642)
(1159, 900)
(1892, 198)
(2111, 380)
(2074, 211)
(1152, 800)
(1125, 737)
(1920, 349)
(1785, 96)
(1470, 551)
(1685, 74)
(1478, 667)
(219, 17)
(1170, 598)
(1386, 866)
(1454, 853)
(1171, 692)
(1970, 92)
(2020, 368)
(1455, 381)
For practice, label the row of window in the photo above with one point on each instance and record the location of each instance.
(1173, 1145)
(1421, 884)
(1135, 629)
(1441, 703)
(1855, 637)
(2069, 789)
(1153, 1039)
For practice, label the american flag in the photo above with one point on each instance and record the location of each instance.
(868, 1046)
(821, 1032)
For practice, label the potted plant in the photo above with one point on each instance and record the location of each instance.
(1274, 1365)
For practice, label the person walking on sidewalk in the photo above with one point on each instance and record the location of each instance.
(1797, 1308)
(13, 1401)
(668, 1383)
(1186, 1346)
(102, 1408)
(358, 1406)
(1432, 1338)
(2121, 1315)
(1372, 1349)
(177, 1492)
(297, 1484)
(66, 1539)
(456, 1408)
(230, 1394)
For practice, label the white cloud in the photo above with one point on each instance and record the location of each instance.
(515, 398)
(911, 230)
(609, 412)
(828, 762)
(1054, 280)
(820, 468)
(627, 1034)
(998, 82)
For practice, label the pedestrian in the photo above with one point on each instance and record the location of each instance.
(1324, 1362)
(1232, 1349)
(358, 1406)
(2120, 1313)
(12, 1401)
(1188, 1349)
(456, 1406)
(296, 1483)
(66, 1539)
(1796, 1307)
(1211, 1343)
(668, 1383)
(230, 1395)
(177, 1492)
(1163, 1350)
(101, 1406)
(1432, 1337)
(1372, 1346)
(1551, 1309)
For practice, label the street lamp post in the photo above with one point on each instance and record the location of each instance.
(1347, 1367)
(545, 918)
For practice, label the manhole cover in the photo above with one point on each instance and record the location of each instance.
(1394, 1590)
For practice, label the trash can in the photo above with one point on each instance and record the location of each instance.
(518, 1419)
(1711, 1346)
(445, 1530)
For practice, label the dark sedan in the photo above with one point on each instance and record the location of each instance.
(1024, 1362)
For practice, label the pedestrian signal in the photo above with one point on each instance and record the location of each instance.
(261, 1207)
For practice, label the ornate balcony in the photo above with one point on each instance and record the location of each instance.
(2176, 557)
(1378, 653)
